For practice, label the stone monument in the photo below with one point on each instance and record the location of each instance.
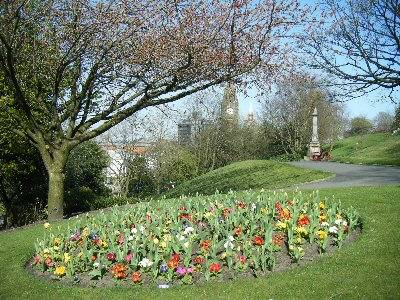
(315, 147)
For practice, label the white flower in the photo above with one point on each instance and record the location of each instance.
(134, 230)
(338, 221)
(253, 206)
(96, 264)
(141, 228)
(231, 238)
(188, 230)
(344, 223)
(130, 238)
(186, 245)
(228, 244)
(333, 229)
(324, 224)
(180, 237)
(145, 262)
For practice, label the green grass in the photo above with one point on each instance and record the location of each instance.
(250, 174)
(367, 268)
(376, 148)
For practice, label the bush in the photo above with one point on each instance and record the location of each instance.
(360, 125)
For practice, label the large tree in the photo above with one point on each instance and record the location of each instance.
(359, 43)
(76, 68)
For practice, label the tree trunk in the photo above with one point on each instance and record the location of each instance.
(55, 163)
(55, 198)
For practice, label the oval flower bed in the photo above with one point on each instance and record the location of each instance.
(193, 239)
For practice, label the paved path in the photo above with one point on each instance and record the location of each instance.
(351, 175)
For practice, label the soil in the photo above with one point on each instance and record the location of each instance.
(282, 258)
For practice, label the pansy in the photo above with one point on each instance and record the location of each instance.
(118, 271)
(46, 225)
(322, 234)
(163, 268)
(129, 257)
(111, 256)
(258, 240)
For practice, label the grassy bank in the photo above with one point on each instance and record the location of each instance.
(250, 174)
(377, 148)
(367, 268)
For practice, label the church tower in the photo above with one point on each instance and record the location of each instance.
(251, 117)
(230, 105)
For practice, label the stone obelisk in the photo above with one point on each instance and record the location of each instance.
(315, 148)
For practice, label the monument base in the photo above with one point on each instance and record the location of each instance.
(314, 150)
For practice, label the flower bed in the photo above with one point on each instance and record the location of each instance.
(193, 239)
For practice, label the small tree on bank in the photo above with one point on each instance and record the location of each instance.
(77, 68)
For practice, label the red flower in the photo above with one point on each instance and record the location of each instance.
(278, 206)
(215, 268)
(37, 259)
(205, 244)
(303, 220)
(185, 216)
(111, 256)
(277, 239)
(121, 239)
(94, 257)
(284, 214)
(118, 271)
(242, 259)
(226, 212)
(199, 260)
(241, 204)
(289, 202)
(258, 240)
(238, 231)
(182, 208)
(172, 264)
(176, 257)
(48, 262)
(148, 217)
(136, 277)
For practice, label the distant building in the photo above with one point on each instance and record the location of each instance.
(251, 117)
(229, 110)
(120, 155)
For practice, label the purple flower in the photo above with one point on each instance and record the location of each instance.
(189, 270)
(181, 271)
(163, 268)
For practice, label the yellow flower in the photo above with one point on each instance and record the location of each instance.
(46, 225)
(155, 241)
(59, 271)
(104, 244)
(298, 240)
(163, 244)
(264, 210)
(208, 214)
(322, 234)
(56, 248)
(67, 258)
(85, 232)
(281, 225)
(57, 241)
(46, 251)
(167, 237)
(301, 230)
(322, 218)
(338, 216)
(321, 205)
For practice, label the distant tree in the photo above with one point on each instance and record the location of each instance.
(76, 68)
(173, 164)
(359, 44)
(360, 125)
(85, 176)
(288, 115)
(383, 122)
(141, 178)
(396, 120)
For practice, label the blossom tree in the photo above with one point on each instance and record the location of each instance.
(76, 68)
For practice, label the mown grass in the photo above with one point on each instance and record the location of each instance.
(250, 174)
(367, 268)
(376, 148)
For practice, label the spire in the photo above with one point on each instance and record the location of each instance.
(251, 117)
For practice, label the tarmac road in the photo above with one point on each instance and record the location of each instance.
(348, 175)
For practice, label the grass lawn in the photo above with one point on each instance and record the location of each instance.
(368, 268)
(250, 174)
(377, 148)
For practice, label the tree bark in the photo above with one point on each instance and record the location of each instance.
(55, 162)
